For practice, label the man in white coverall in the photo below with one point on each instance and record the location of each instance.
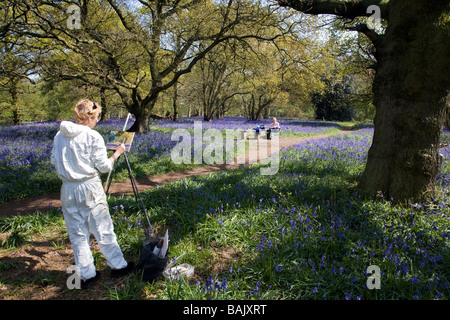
(79, 154)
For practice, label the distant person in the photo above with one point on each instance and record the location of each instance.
(275, 126)
(79, 155)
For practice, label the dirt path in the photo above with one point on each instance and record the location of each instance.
(52, 200)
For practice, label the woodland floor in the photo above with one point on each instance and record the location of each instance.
(38, 268)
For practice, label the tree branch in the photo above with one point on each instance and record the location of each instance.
(363, 28)
(346, 9)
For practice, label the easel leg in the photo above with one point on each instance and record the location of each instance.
(137, 195)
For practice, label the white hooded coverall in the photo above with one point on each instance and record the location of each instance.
(79, 154)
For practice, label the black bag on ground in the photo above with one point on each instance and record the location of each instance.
(150, 265)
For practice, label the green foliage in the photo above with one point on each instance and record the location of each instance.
(120, 58)
(333, 104)
(35, 223)
(132, 289)
(14, 240)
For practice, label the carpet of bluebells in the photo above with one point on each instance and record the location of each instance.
(25, 168)
(303, 233)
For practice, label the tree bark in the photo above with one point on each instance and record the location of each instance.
(17, 119)
(140, 124)
(175, 102)
(447, 118)
(104, 115)
(410, 89)
(346, 9)
(142, 118)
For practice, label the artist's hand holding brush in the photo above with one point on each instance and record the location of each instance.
(119, 150)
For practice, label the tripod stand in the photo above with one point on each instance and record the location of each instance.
(136, 192)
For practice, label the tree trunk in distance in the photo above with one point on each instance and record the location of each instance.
(104, 115)
(142, 115)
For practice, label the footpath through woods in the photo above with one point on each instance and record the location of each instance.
(46, 202)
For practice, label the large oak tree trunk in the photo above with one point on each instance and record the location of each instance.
(410, 89)
(403, 160)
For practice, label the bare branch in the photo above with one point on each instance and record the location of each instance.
(363, 28)
(346, 9)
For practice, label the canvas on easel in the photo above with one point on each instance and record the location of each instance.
(116, 138)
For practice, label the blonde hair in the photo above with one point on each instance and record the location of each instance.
(86, 109)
